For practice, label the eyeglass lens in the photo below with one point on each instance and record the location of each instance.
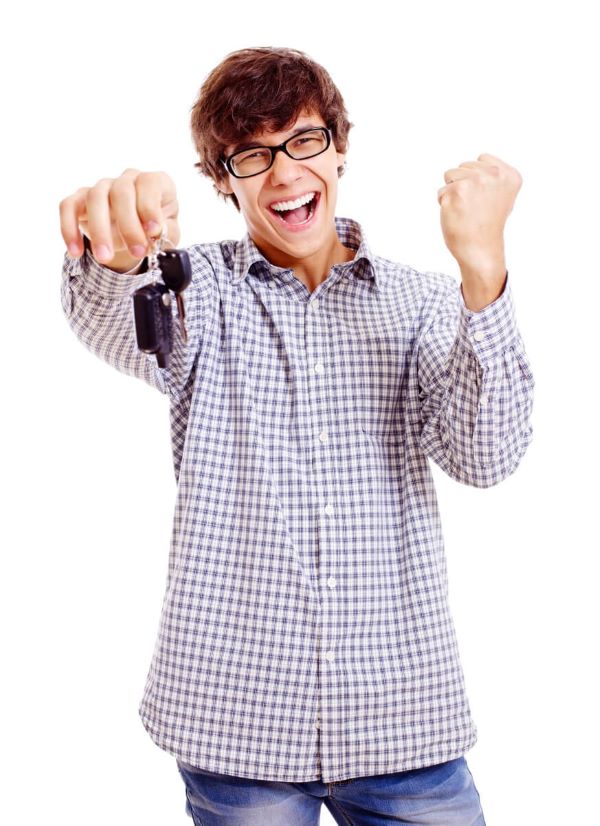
(253, 161)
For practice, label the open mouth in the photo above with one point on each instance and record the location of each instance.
(299, 217)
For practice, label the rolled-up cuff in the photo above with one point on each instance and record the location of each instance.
(107, 282)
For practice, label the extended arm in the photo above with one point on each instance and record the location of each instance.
(98, 304)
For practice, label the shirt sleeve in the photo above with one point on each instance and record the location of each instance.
(475, 386)
(98, 305)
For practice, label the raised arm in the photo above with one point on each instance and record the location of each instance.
(476, 386)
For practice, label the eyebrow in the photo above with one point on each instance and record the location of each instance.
(254, 144)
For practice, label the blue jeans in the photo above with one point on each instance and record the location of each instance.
(444, 795)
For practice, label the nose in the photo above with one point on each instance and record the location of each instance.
(285, 169)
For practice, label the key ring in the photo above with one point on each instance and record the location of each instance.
(157, 249)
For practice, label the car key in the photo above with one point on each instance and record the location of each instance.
(152, 303)
(152, 310)
(176, 272)
(154, 321)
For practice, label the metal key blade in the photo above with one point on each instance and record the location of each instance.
(181, 311)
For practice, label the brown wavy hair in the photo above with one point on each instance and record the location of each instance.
(258, 89)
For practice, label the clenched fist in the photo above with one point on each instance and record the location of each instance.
(120, 216)
(475, 203)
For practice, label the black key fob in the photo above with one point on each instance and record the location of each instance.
(176, 269)
(154, 321)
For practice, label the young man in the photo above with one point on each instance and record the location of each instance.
(306, 651)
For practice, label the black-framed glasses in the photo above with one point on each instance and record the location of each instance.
(302, 145)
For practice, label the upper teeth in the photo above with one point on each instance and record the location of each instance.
(303, 199)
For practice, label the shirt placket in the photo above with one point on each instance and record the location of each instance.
(321, 425)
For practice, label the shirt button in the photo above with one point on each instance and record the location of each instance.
(329, 509)
(330, 656)
(319, 367)
(479, 335)
(332, 582)
(483, 400)
(271, 284)
(318, 723)
(323, 436)
(314, 304)
(344, 280)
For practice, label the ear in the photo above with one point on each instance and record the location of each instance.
(225, 187)
(341, 161)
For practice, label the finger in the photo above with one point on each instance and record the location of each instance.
(441, 192)
(507, 171)
(71, 209)
(487, 158)
(156, 201)
(456, 174)
(485, 168)
(476, 165)
(171, 230)
(123, 207)
(99, 220)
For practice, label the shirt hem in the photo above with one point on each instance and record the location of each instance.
(436, 753)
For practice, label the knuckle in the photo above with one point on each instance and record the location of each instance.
(120, 183)
(120, 197)
(67, 201)
(99, 190)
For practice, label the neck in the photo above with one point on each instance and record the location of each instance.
(313, 270)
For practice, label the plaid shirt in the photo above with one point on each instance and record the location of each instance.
(305, 631)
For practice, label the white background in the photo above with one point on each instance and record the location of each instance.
(89, 489)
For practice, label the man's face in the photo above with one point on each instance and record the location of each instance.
(286, 243)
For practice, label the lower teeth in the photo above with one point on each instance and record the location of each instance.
(311, 209)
